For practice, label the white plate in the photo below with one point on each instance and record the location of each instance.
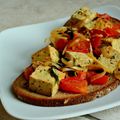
(16, 48)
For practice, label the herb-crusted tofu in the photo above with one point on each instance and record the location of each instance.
(84, 14)
(109, 59)
(45, 80)
(80, 59)
(81, 17)
(45, 57)
(116, 44)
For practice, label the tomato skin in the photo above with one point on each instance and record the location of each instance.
(96, 41)
(82, 75)
(97, 79)
(79, 46)
(104, 16)
(89, 75)
(27, 72)
(100, 81)
(107, 32)
(74, 85)
(116, 26)
(96, 36)
(97, 52)
(96, 32)
(60, 44)
(112, 32)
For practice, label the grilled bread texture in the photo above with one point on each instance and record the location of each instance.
(20, 89)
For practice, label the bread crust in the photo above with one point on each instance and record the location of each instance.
(20, 89)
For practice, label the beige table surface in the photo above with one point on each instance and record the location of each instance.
(22, 12)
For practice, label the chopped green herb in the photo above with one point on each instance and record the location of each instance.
(53, 74)
(69, 31)
(110, 78)
(71, 73)
(66, 59)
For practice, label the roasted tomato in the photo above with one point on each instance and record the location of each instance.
(60, 44)
(112, 32)
(96, 32)
(82, 75)
(78, 45)
(89, 75)
(74, 85)
(100, 81)
(97, 79)
(96, 40)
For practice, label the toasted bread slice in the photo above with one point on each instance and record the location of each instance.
(20, 88)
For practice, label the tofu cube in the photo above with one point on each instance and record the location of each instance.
(109, 62)
(43, 82)
(80, 59)
(116, 44)
(45, 57)
(84, 14)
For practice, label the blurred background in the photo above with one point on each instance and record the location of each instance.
(22, 12)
